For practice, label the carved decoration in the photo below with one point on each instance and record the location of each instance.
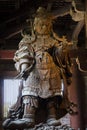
(79, 66)
(77, 16)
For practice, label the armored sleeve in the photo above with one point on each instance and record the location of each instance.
(23, 55)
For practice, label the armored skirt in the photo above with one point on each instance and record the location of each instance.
(45, 80)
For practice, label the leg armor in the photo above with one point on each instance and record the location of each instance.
(52, 112)
(28, 120)
(30, 105)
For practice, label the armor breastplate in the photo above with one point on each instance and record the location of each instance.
(43, 58)
(43, 43)
(44, 80)
(44, 61)
(45, 65)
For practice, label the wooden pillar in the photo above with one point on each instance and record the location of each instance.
(1, 102)
(1, 98)
(78, 90)
(86, 23)
(73, 91)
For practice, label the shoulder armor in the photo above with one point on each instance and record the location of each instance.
(27, 39)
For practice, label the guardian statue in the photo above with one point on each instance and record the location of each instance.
(43, 61)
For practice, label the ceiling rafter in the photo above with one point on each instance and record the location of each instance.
(12, 27)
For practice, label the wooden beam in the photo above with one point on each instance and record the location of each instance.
(7, 54)
(8, 74)
(13, 34)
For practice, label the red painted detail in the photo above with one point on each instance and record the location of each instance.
(7, 54)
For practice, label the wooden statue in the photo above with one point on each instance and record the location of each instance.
(44, 63)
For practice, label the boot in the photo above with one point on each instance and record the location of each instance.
(29, 116)
(28, 120)
(52, 118)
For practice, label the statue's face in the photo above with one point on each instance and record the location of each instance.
(42, 26)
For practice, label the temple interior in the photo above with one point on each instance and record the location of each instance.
(70, 20)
